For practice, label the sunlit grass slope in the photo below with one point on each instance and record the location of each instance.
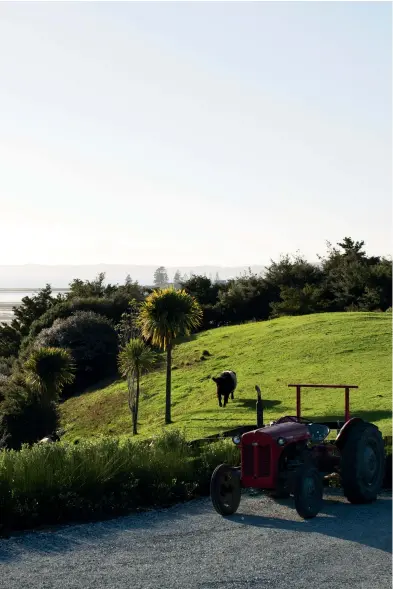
(339, 348)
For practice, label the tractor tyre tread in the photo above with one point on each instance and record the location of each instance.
(302, 502)
(215, 487)
(355, 490)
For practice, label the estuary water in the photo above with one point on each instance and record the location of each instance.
(10, 297)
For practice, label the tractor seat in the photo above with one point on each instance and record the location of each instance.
(318, 432)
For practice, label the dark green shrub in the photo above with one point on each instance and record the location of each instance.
(299, 301)
(10, 340)
(62, 483)
(202, 289)
(6, 365)
(354, 280)
(244, 299)
(212, 317)
(23, 417)
(32, 308)
(83, 289)
(93, 343)
(171, 440)
(112, 308)
(206, 293)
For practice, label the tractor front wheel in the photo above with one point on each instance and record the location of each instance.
(308, 491)
(363, 463)
(225, 489)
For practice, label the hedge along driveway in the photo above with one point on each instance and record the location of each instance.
(59, 483)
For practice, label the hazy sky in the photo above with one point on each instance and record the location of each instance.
(193, 133)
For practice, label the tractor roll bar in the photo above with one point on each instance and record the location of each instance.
(324, 386)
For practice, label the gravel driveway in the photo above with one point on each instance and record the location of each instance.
(189, 546)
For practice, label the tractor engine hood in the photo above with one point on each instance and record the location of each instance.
(289, 431)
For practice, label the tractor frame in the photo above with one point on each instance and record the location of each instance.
(291, 456)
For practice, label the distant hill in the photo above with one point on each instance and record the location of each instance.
(36, 276)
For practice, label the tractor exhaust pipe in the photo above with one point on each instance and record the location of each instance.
(259, 407)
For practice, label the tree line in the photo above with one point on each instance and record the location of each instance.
(161, 279)
(345, 279)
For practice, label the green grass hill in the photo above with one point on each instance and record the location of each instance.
(331, 348)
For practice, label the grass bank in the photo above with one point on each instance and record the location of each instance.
(331, 348)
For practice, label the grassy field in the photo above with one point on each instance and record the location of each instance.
(339, 348)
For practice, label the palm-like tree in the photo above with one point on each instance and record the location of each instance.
(134, 359)
(48, 370)
(165, 315)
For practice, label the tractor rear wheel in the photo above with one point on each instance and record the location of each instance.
(225, 489)
(362, 463)
(308, 491)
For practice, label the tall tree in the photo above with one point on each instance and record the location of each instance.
(202, 289)
(165, 315)
(130, 288)
(161, 277)
(347, 273)
(177, 279)
(352, 248)
(134, 359)
(31, 309)
(128, 328)
(91, 288)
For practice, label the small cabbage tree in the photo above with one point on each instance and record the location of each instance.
(133, 360)
(165, 315)
(127, 328)
(48, 370)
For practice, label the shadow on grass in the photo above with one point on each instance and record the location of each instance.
(206, 418)
(183, 340)
(372, 416)
(251, 403)
(106, 382)
(242, 403)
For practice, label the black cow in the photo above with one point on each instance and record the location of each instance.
(226, 384)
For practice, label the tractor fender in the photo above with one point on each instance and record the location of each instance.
(344, 431)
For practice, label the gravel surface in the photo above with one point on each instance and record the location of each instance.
(189, 546)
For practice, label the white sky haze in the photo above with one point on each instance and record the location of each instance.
(193, 133)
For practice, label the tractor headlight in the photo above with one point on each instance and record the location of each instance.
(281, 441)
(236, 440)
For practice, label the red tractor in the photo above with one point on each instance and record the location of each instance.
(291, 456)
